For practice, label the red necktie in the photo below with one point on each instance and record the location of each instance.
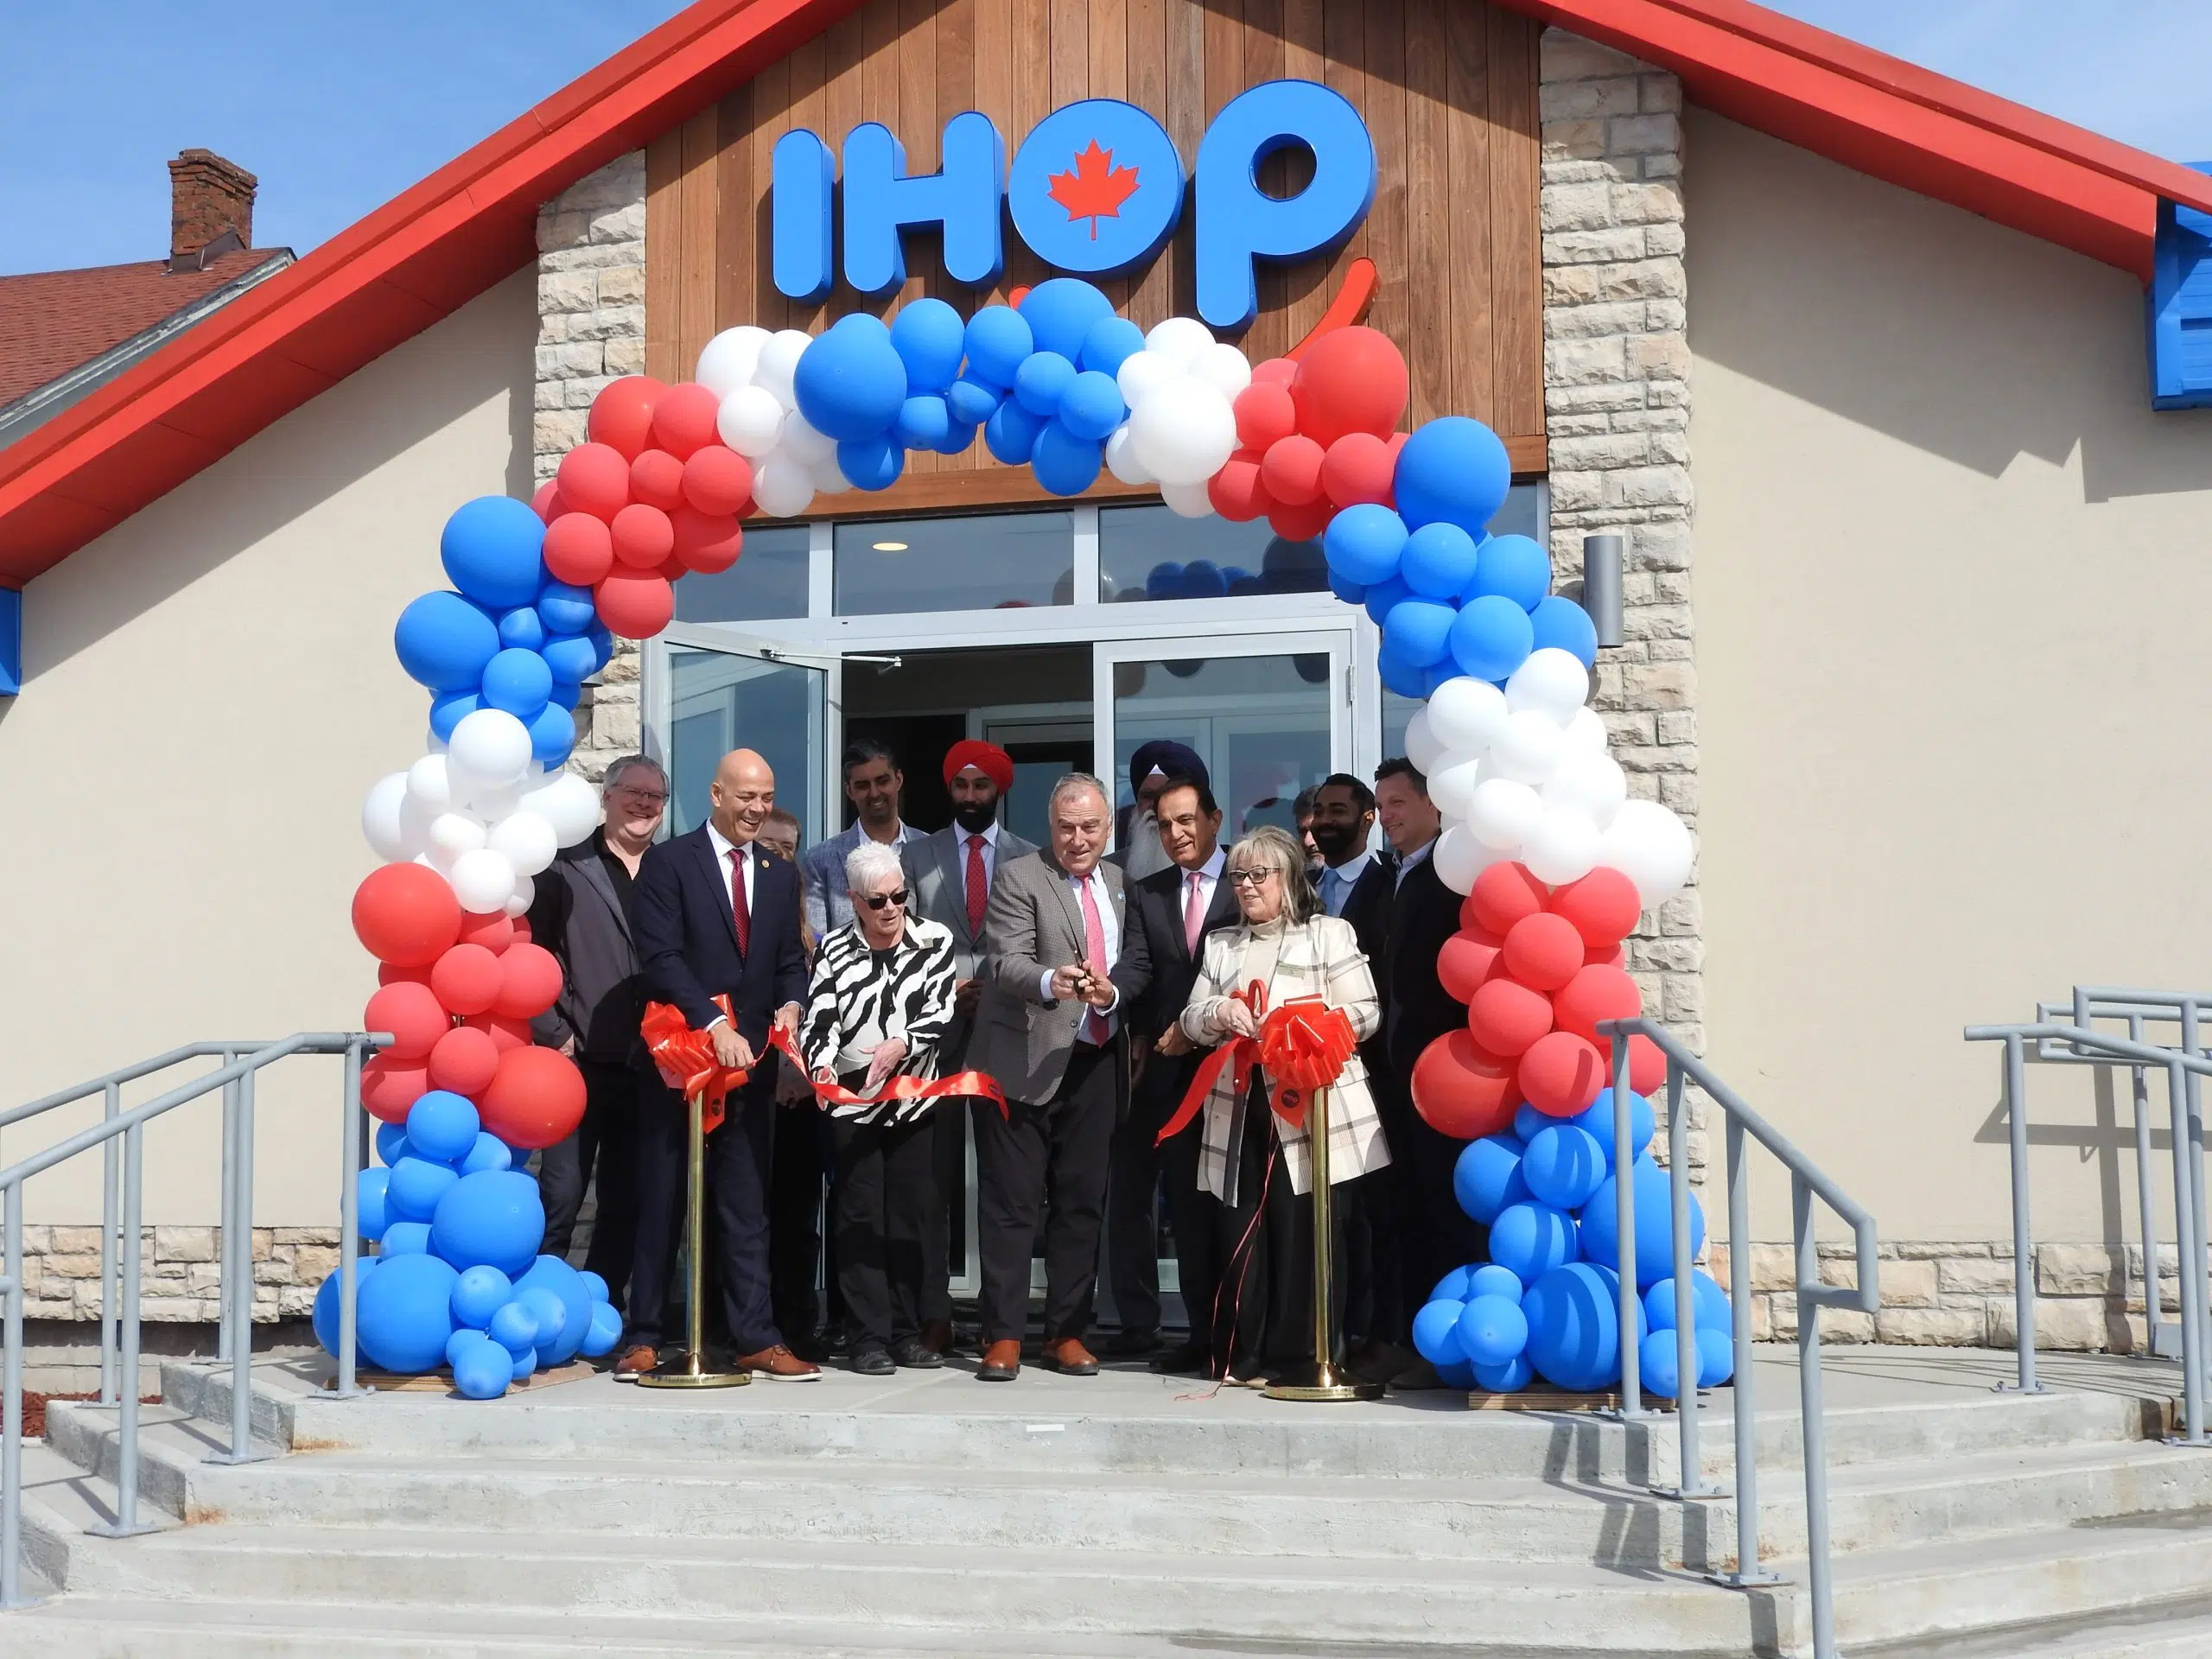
(740, 912)
(1094, 952)
(979, 887)
(1194, 917)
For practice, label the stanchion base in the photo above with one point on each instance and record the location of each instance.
(690, 1371)
(1317, 1381)
(253, 1454)
(116, 1530)
(1745, 1580)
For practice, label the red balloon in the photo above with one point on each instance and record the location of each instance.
(636, 604)
(684, 419)
(546, 504)
(643, 537)
(594, 477)
(520, 934)
(405, 914)
(1396, 442)
(1603, 906)
(1605, 955)
(1264, 414)
(1503, 894)
(388, 974)
(1596, 993)
(707, 543)
(466, 979)
(1462, 1091)
(622, 414)
(1506, 1017)
(1356, 468)
(390, 1086)
(579, 549)
(529, 978)
(1350, 380)
(503, 1032)
(494, 932)
(1543, 951)
(1300, 523)
(463, 1061)
(1292, 470)
(1561, 1074)
(1647, 1065)
(718, 480)
(536, 1098)
(1275, 371)
(1235, 491)
(1467, 959)
(657, 479)
(414, 1015)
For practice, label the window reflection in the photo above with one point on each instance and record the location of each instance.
(1260, 724)
(1151, 553)
(768, 582)
(989, 562)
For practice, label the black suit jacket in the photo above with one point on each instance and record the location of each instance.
(1367, 907)
(1424, 912)
(1159, 904)
(687, 939)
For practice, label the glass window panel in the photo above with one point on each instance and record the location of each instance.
(1397, 712)
(719, 702)
(768, 582)
(1260, 724)
(901, 566)
(1146, 552)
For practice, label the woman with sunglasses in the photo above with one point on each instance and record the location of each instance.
(877, 1007)
(1258, 1166)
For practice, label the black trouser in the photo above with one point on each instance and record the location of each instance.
(739, 1155)
(605, 1143)
(1046, 1162)
(883, 1176)
(1425, 1233)
(1265, 1319)
(796, 1266)
(1132, 1203)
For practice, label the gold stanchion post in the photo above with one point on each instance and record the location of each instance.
(1324, 1379)
(689, 1370)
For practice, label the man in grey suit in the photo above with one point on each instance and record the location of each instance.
(1063, 957)
(873, 785)
(950, 878)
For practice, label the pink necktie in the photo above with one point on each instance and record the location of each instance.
(1094, 952)
(1194, 917)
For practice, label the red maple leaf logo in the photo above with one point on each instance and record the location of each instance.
(1095, 189)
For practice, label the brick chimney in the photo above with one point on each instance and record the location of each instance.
(211, 201)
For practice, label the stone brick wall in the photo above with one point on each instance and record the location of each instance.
(179, 1272)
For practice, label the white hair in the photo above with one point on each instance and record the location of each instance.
(1071, 784)
(868, 862)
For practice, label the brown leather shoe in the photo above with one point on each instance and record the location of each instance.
(936, 1335)
(639, 1359)
(1001, 1362)
(779, 1364)
(1070, 1358)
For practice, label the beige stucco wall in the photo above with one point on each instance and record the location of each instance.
(210, 688)
(1951, 587)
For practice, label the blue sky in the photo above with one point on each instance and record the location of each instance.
(339, 108)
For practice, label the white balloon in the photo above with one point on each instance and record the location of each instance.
(483, 881)
(415, 817)
(1562, 848)
(1183, 431)
(487, 804)
(1585, 733)
(750, 420)
(429, 783)
(780, 362)
(452, 835)
(1460, 858)
(1225, 368)
(1552, 682)
(1121, 458)
(490, 748)
(804, 444)
(1423, 748)
(1593, 785)
(1503, 813)
(828, 480)
(781, 488)
(1179, 340)
(1187, 501)
(1142, 373)
(1527, 747)
(727, 361)
(381, 810)
(527, 839)
(1451, 784)
(1467, 714)
(566, 803)
(518, 901)
(1650, 846)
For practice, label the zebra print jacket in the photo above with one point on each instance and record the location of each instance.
(853, 1003)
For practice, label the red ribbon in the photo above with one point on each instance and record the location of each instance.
(1302, 1047)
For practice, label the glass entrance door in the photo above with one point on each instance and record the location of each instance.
(721, 691)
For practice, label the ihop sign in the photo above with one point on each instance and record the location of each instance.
(1096, 189)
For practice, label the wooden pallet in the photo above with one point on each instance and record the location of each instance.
(441, 1381)
(1558, 1399)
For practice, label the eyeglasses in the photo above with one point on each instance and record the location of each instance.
(879, 900)
(643, 797)
(1248, 878)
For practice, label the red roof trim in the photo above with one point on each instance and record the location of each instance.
(434, 247)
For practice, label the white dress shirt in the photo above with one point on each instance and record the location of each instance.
(1338, 879)
(1110, 930)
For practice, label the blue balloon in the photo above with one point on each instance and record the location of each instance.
(605, 1331)
(1709, 1300)
(1364, 544)
(324, 1315)
(1528, 1122)
(1716, 1355)
(565, 695)
(1515, 1374)
(1658, 1371)
(551, 1314)
(1455, 1373)
(489, 1152)
(478, 1294)
(998, 339)
(1164, 581)
(571, 659)
(1418, 632)
(1655, 1224)
(1092, 406)
(1574, 1325)
(1384, 596)
(602, 641)
(448, 711)
(524, 1365)
(1064, 464)
(1061, 313)
(552, 734)
(442, 1126)
(1109, 343)
(971, 401)
(443, 641)
(1511, 567)
(1559, 623)
(1452, 1287)
(1406, 679)
(1010, 434)
(872, 463)
(1437, 562)
(492, 1217)
(489, 548)
(392, 1143)
(849, 381)
(1491, 637)
(518, 681)
(459, 1342)
(513, 1326)
(1491, 1280)
(521, 629)
(1352, 593)
(1492, 1331)
(417, 1186)
(958, 434)
(930, 338)
(405, 1313)
(1487, 1178)
(549, 1276)
(924, 422)
(1597, 1118)
(1564, 1166)
(1530, 1240)
(1434, 1326)
(1202, 579)
(1043, 377)
(564, 609)
(481, 1369)
(373, 1187)
(405, 1238)
(595, 1286)
(1451, 471)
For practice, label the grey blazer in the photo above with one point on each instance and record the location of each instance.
(578, 916)
(1033, 924)
(937, 869)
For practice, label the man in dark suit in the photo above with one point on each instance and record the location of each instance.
(949, 875)
(716, 915)
(1435, 1235)
(1174, 909)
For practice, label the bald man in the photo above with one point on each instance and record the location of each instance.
(714, 914)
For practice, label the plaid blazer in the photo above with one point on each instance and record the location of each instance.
(1320, 957)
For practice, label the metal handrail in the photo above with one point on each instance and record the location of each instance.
(1806, 1183)
(120, 1264)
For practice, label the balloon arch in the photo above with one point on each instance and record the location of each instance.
(1557, 862)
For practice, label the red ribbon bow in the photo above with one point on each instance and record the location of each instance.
(1302, 1047)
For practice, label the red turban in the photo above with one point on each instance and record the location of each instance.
(993, 762)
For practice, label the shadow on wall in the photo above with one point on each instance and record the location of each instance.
(2055, 341)
(326, 447)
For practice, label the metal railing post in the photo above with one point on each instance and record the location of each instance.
(349, 1223)
(2023, 1267)
(2193, 1089)
(2139, 1096)
(1808, 1384)
(239, 1315)
(1748, 1570)
(228, 1280)
(11, 1413)
(111, 1262)
(126, 1524)
(1693, 1483)
(1625, 1214)
(2190, 1250)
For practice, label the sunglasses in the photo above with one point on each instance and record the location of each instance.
(1248, 878)
(880, 901)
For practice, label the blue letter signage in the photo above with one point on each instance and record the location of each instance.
(1097, 187)
(962, 197)
(1239, 224)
